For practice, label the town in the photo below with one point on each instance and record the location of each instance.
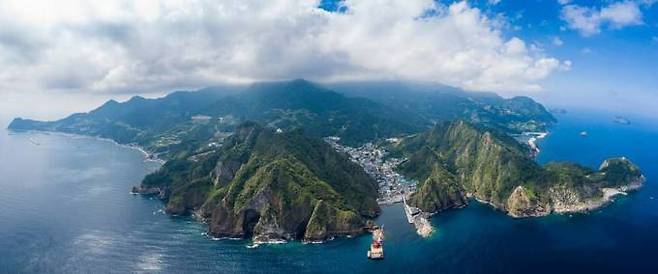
(392, 186)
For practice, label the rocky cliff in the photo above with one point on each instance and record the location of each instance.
(267, 186)
(457, 159)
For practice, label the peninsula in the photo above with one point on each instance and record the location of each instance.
(457, 160)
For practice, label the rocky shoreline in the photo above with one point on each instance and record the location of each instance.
(561, 200)
(564, 202)
(160, 193)
(608, 197)
(423, 226)
(560, 204)
(532, 142)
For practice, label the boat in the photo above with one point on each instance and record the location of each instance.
(376, 251)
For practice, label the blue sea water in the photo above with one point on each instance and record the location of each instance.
(65, 207)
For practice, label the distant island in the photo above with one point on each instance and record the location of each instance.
(252, 163)
(558, 111)
(621, 120)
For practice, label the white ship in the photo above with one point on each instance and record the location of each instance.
(376, 251)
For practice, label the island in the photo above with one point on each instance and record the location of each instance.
(295, 160)
(621, 120)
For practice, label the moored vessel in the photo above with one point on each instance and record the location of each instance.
(376, 251)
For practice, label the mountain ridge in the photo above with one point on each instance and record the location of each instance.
(455, 160)
(288, 105)
(269, 186)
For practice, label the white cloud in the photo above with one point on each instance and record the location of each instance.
(557, 41)
(150, 45)
(622, 14)
(564, 2)
(589, 21)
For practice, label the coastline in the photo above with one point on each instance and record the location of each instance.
(148, 156)
(418, 219)
(533, 141)
(608, 197)
(421, 223)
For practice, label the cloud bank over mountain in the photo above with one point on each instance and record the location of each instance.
(140, 46)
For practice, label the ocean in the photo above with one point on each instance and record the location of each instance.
(65, 207)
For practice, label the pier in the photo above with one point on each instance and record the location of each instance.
(418, 218)
(411, 212)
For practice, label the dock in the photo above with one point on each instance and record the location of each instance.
(416, 217)
(410, 211)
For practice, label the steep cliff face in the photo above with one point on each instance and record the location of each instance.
(483, 163)
(458, 157)
(576, 188)
(522, 203)
(272, 186)
(438, 192)
(327, 220)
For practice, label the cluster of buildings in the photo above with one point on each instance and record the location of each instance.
(392, 185)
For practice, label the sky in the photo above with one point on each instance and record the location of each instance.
(64, 56)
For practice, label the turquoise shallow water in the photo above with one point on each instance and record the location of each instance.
(65, 208)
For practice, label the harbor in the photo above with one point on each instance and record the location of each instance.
(393, 187)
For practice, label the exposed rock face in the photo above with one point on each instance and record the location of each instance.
(272, 186)
(565, 199)
(225, 171)
(519, 204)
(161, 193)
(457, 157)
(423, 227)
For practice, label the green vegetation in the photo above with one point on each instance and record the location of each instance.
(455, 158)
(271, 185)
(182, 121)
(279, 181)
(439, 191)
(437, 104)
